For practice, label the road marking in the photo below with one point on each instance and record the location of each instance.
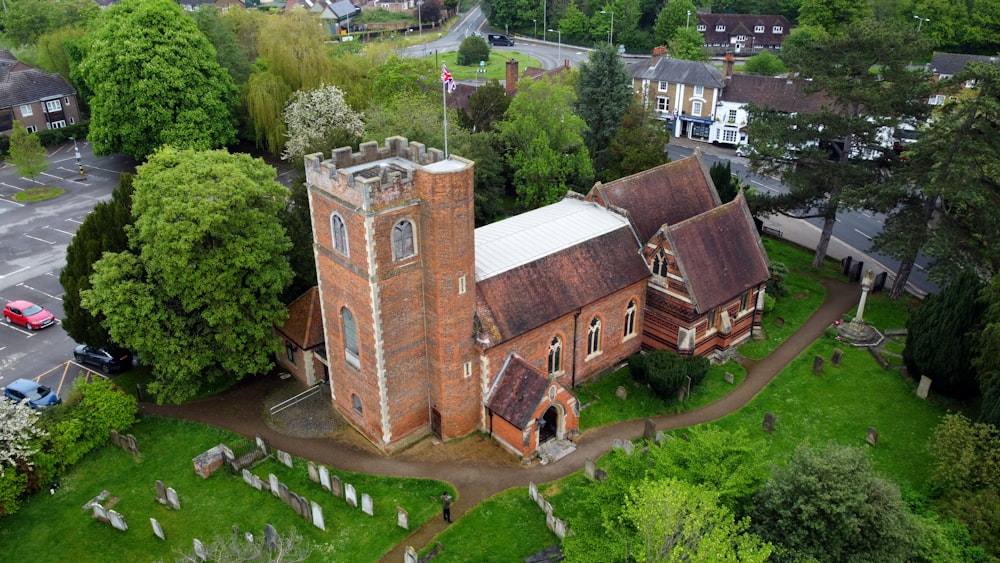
(14, 272)
(61, 231)
(11, 202)
(919, 267)
(51, 175)
(75, 221)
(64, 160)
(10, 186)
(39, 291)
(13, 326)
(765, 186)
(34, 181)
(41, 239)
(862, 234)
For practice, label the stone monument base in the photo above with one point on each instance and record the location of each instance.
(860, 333)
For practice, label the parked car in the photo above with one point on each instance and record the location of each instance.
(500, 40)
(741, 150)
(101, 358)
(37, 395)
(28, 314)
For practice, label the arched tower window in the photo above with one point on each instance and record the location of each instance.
(630, 318)
(594, 337)
(339, 232)
(555, 356)
(350, 337)
(402, 240)
(660, 264)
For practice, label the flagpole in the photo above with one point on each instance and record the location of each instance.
(444, 111)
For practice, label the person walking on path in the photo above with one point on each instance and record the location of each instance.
(446, 506)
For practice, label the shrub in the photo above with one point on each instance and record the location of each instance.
(768, 303)
(56, 137)
(13, 485)
(776, 283)
(666, 371)
(472, 50)
(637, 367)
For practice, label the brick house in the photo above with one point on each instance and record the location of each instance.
(681, 92)
(434, 326)
(303, 347)
(743, 34)
(39, 100)
(946, 65)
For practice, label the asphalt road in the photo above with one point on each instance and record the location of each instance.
(33, 241)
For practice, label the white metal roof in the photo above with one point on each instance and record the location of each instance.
(524, 238)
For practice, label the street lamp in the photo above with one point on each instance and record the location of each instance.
(612, 39)
(920, 22)
(76, 150)
(545, 24)
(420, 26)
(534, 34)
(559, 49)
(688, 24)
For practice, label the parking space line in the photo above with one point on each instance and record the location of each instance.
(12, 326)
(61, 231)
(12, 202)
(41, 239)
(78, 222)
(14, 272)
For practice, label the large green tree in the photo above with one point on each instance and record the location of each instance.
(689, 44)
(830, 505)
(319, 120)
(676, 14)
(26, 152)
(604, 90)
(838, 158)
(197, 292)
(103, 230)
(155, 81)
(639, 144)
(834, 15)
(486, 105)
(221, 32)
(988, 340)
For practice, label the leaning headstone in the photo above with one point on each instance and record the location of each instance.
(270, 537)
(336, 486)
(818, 365)
(157, 529)
(248, 536)
(616, 443)
(402, 518)
(324, 477)
(317, 515)
(117, 521)
(172, 499)
(588, 468)
(131, 446)
(659, 437)
(366, 504)
(532, 491)
(285, 457)
(256, 482)
(621, 393)
(559, 528)
(872, 437)
(199, 550)
(628, 447)
(768, 422)
(411, 555)
(247, 477)
(924, 387)
(313, 473)
(546, 507)
(835, 358)
(262, 444)
(96, 500)
(729, 378)
(649, 432)
(161, 492)
(352, 496)
(283, 492)
(115, 438)
(601, 475)
(100, 513)
(272, 482)
(779, 322)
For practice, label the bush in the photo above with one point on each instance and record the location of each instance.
(666, 372)
(637, 367)
(769, 303)
(13, 485)
(776, 283)
(472, 50)
(56, 137)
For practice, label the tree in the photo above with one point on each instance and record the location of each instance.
(988, 340)
(155, 80)
(266, 96)
(837, 157)
(543, 143)
(26, 152)
(726, 183)
(486, 106)
(294, 46)
(604, 90)
(764, 64)
(18, 433)
(53, 55)
(221, 33)
(197, 293)
(941, 336)
(472, 51)
(672, 17)
(638, 145)
(833, 15)
(689, 44)
(103, 230)
(297, 221)
(830, 505)
(320, 120)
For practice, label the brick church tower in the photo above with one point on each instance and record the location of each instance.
(395, 256)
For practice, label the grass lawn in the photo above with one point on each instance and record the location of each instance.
(208, 506)
(38, 194)
(496, 67)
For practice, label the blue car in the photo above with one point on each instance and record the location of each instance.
(37, 395)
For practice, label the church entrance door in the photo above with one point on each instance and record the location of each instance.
(549, 426)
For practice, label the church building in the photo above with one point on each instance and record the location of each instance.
(435, 327)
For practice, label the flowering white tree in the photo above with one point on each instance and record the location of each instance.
(315, 116)
(17, 433)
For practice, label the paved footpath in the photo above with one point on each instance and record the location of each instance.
(241, 410)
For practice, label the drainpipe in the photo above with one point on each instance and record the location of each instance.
(576, 319)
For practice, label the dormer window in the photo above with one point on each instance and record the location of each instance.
(702, 27)
(741, 37)
(758, 29)
(720, 27)
(777, 29)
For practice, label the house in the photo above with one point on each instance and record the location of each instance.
(37, 99)
(303, 347)
(223, 5)
(681, 92)
(335, 14)
(946, 65)
(435, 327)
(742, 34)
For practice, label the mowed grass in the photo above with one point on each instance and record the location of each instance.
(38, 194)
(59, 530)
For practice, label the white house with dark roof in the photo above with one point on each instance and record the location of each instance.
(39, 100)
(681, 92)
(946, 65)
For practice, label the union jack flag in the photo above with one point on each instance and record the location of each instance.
(447, 80)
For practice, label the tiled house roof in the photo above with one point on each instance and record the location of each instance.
(744, 24)
(677, 71)
(22, 84)
(950, 64)
(719, 253)
(304, 325)
(781, 94)
(517, 391)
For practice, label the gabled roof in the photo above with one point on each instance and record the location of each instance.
(518, 390)
(556, 284)
(950, 64)
(743, 24)
(719, 254)
(667, 194)
(782, 94)
(677, 71)
(304, 325)
(22, 84)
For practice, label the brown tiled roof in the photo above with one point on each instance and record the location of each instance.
(22, 84)
(667, 194)
(518, 300)
(782, 94)
(719, 253)
(743, 24)
(304, 325)
(518, 390)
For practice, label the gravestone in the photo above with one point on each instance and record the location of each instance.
(352, 497)
(872, 437)
(628, 447)
(779, 322)
(729, 378)
(836, 357)
(115, 438)
(117, 521)
(199, 550)
(313, 473)
(588, 468)
(621, 393)
(649, 432)
(172, 499)
(880, 280)
(546, 507)
(532, 491)
(856, 271)
(248, 536)
(256, 482)
(366, 504)
(283, 493)
(768, 422)
(616, 443)
(317, 515)
(601, 475)
(157, 529)
(272, 482)
(411, 555)
(96, 500)
(161, 492)
(336, 486)
(131, 446)
(285, 457)
(924, 387)
(402, 518)
(818, 365)
(559, 528)
(845, 265)
(324, 477)
(100, 513)
(262, 444)
(270, 537)
(247, 477)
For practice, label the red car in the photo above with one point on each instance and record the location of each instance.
(28, 314)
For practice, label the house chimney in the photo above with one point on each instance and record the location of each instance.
(727, 65)
(511, 83)
(661, 50)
